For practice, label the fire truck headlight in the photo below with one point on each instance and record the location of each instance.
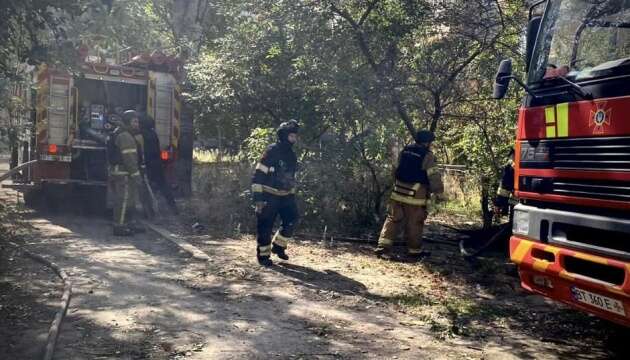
(520, 224)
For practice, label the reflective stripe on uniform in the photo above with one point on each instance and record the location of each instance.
(280, 240)
(258, 188)
(415, 251)
(264, 250)
(116, 171)
(123, 211)
(408, 200)
(401, 190)
(137, 173)
(503, 192)
(384, 242)
(129, 151)
(262, 168)
(274, 191)
(409, 186)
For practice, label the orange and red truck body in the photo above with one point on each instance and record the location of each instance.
(571, 229)
(68, 125)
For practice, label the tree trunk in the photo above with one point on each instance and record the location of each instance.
(486, 214)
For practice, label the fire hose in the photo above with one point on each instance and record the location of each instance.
(504, 230)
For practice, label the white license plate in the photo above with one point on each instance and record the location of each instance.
(599, 301)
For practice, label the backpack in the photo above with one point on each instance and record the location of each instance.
(410, 165)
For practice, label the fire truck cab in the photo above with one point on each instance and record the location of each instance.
(571, 230)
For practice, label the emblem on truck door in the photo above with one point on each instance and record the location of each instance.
(600, 118)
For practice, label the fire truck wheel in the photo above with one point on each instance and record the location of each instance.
(95, 201)
(33, 198)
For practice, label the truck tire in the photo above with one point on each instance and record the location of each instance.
(33, 198)
(94, 200)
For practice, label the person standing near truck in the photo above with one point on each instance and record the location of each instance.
(124, 175)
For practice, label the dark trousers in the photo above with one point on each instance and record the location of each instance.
(159, 184)
(286, 207)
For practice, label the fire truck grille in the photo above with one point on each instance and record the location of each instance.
(612, 154)
(583, 154)
(607, 190)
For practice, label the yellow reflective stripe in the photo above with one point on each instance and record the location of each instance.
(415, 251)
(408, 200)
(551, 131)
(129, 151)
(263, 168)
(280, 240)
(258, 188)
(503, 192)
(264, 250)
(563, 119)
(415, 186)
(404, 191)
(550, 115)
(274, 191)
(124, 203)
(385, 242)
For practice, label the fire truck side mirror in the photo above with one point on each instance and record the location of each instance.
(502, 80)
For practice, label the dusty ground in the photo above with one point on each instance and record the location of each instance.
(143, 298)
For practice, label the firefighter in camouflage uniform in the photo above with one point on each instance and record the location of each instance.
(124, 174)
(416, 177)
(273, 188)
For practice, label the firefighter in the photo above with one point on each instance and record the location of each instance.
(416, 177)
(124, 174)
(146, 197)
(505, 199)
(273, 188)
(153, 162)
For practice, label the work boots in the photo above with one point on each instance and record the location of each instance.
(279, 251)
(383, 253)
(122, 231)
(416, 256)
(137, 227)
(263, 260)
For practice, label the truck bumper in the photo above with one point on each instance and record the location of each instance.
(593, 284)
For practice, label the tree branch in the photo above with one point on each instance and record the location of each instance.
(367, 12)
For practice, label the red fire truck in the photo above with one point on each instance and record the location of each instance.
(571, 229)
(68, 126)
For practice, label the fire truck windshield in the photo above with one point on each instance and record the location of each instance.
(582, 39)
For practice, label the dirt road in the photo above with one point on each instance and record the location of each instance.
(144, 298)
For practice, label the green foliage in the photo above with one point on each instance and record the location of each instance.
(255, 144)
(359, 76)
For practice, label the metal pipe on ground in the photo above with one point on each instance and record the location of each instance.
(8, 174)
(53, 332)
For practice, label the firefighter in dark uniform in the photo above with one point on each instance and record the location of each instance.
(124, 174)
(153, 162)
(273, 188)
(505, 199)
(416, 177)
